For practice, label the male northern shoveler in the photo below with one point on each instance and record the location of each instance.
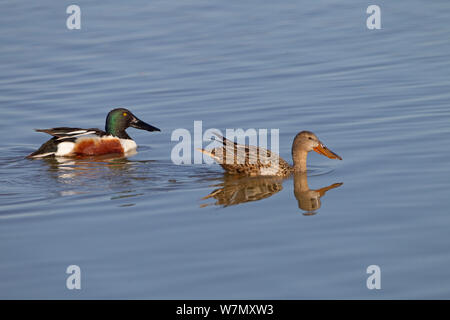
(256, 161)
(68, 142)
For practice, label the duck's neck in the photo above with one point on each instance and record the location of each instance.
(299, 158)
(116, 130)
(121, 134)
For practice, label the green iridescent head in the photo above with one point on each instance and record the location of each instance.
(118, 120)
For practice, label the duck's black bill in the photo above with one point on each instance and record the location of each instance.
(139, 124)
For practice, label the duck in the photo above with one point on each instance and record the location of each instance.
(70, 142)
(257, 161)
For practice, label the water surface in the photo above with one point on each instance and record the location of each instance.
(143, 227)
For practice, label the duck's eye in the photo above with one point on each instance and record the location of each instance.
(309, 138)
(124, 114)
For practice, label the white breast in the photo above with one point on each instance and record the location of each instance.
(64, 148)
(269, 171)
(128, 145)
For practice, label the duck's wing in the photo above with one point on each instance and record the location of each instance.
(60, 135)
(242, 154)
(249, 160)
(65, 133)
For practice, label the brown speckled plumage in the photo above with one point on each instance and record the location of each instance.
(256, 161)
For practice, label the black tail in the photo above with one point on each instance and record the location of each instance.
(48, 148)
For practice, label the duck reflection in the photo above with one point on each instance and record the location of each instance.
(114, 176)
(65, 169)
(235, 190)
(309, 200)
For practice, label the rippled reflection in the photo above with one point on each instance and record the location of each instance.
(309, 200)
(236, 190)
(66, 169)
(115, 175)
(121, 179)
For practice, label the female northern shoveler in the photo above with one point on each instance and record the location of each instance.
(68, 142)
(255, 161)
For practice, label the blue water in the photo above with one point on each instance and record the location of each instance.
(141, 227)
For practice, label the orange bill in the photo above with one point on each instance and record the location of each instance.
(322, 191)
(321, 149)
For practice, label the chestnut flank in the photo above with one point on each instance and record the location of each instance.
(92, 147)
